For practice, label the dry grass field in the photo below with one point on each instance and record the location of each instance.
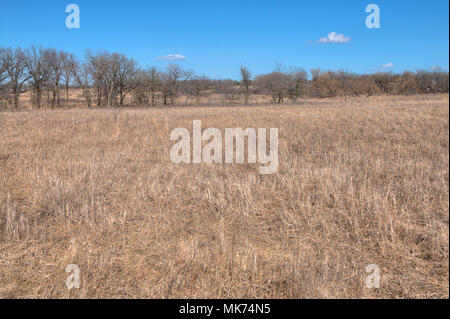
(361, 181)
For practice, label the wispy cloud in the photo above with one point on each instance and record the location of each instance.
(388, 65)
(383, 67)
(171, 57)
(334, 37)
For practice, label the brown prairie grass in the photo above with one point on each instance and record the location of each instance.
(361, 181)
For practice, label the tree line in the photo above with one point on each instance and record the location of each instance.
(107, 79)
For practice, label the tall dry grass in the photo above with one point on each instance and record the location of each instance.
(361, 181)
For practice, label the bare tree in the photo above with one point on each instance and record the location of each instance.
(126, 77)
(16, 72)
(82, 77)
(39, 71)
(246, 79)
(324, 83)
(113, 76)
(440, 80)
(3, 75)
(315, 73)
(171, 81)
(71, 64)
(140, 88)
(97, 65)
(364, 84)
(298, 82)
(56, 61)
(275, 84)
(229, 90)
(425, 82)
(112, 65)
(330, 82)
(196, 87)
(148, 83)
(3, 65)
(382, 80)
(407, 83)
(153, 83)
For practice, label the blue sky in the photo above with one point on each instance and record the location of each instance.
(216, 36)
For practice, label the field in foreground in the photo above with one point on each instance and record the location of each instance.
(361, 181)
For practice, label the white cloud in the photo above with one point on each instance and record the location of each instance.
(171, 57)
(334, 37)
(388, 65)
(383, 67)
